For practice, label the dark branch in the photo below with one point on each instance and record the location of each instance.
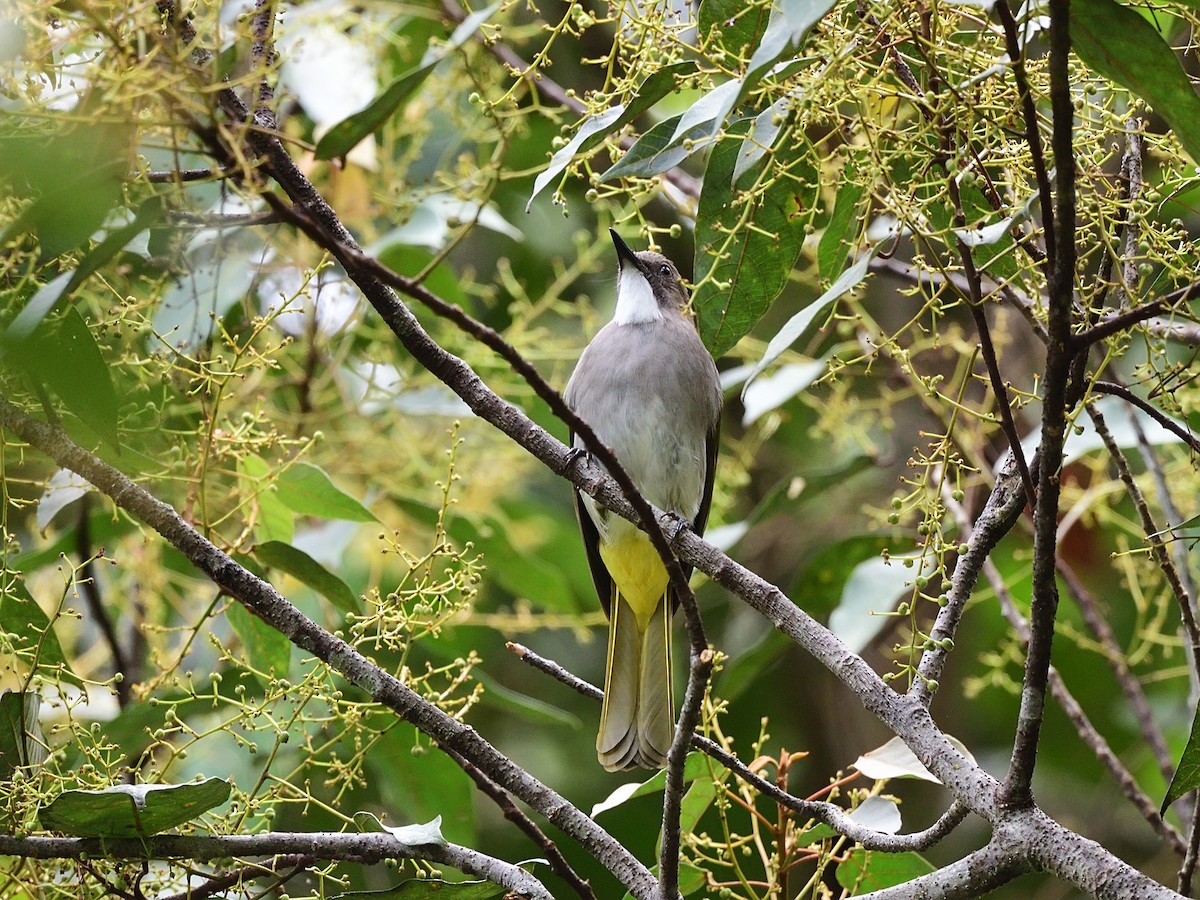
(1119, 390)
(1017, 792)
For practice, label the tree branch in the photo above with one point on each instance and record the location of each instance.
(1000, 513)
(558, 863)
(1157, 547)
(1119, 390)
(296, 863)
(827, 813)
(264, 601)
(362, 848)
(987, 869)
(1016, 792)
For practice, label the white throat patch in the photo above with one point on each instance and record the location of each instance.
(635, 299)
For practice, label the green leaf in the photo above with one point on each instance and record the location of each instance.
(346, 134)
(1187, 773)
(306, 489)
(72, 175)
(1119, 44)
(801, 324)
(136, 810)
(592, 131)
(699, 798)
(697, 766)
(63, 355)
(744, 255)
(21, 740)
(785, 33)
(266, 649)
(872, 590)
(302, 567)
(273, 521)
(34, 642)
(646, 157)
(865, 870)
(734, 25)
(421, 888)
(837, 238)
(52, 294)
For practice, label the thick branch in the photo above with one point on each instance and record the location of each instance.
(363, 848)
(976, 874)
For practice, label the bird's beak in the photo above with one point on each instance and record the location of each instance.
(625, 256)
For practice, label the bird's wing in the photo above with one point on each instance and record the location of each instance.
(591, 544)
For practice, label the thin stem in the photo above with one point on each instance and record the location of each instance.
(90, 589)
(1158, 547)
(689, 719)
(1083, 726)
(282, 869)
(1115, 324)
(1115, 657)
(1033, 136)
(1000, 513)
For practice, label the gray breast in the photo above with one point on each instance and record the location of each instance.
(651, 393)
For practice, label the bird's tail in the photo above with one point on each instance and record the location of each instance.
(637, 722)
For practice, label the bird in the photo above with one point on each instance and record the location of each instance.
(649, 389)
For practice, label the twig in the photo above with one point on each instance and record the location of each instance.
(262, 53)
(552, 90)
(689, 719)
(1033, 136)
(501, 797)
(232, 220)
(296, 863)
(977, 873)
(1119, 390)
(1016, 792)
(362, 848)
(1158, 547)
(1114, 324)
(181, 176)
(1083, 727)
(1115, 657)
(1187, 870)
(95, 604)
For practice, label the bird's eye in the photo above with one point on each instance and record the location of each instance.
(664, 270)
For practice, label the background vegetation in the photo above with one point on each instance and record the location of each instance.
(302, 275)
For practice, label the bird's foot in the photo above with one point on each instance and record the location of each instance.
(675, 525)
